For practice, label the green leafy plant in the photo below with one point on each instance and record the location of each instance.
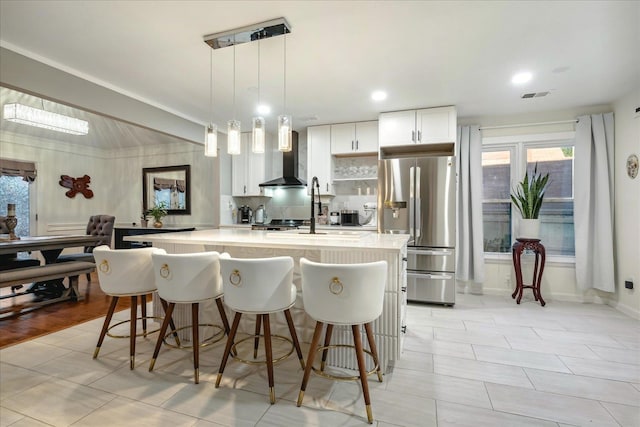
(529, 193)
(158, 212)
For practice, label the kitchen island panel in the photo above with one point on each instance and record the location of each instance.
(387, 329)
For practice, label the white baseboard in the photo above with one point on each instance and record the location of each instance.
(629, 311)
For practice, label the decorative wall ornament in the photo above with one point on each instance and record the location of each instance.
(76, 185)
(632, 166)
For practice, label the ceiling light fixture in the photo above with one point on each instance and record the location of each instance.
(262, 30)
(258, 133)
(211, 138)
(26, 115)
(379, 95)
(521, 78)
(284, 121)
(233, 126)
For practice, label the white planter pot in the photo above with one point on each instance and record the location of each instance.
(529, 229)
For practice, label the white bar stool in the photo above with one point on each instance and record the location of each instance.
(189, 279)
(343, 294)
(125, 273)
(259, 286)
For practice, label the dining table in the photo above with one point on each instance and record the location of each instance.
(50, 247)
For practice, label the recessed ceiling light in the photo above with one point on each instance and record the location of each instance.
(263, 109)
(521, 78)
(379, 95)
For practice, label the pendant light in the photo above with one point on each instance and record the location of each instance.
(233, 126)
(211, 137)
(258, 133)
(284, 120)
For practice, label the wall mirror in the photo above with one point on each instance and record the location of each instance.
(168, 184)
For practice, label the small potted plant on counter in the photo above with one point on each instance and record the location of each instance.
(527, 197)
(158, 212)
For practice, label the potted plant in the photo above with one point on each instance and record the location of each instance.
(158, 212)
(528, 196)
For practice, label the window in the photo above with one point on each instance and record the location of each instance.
(503, 165)
(13, 189)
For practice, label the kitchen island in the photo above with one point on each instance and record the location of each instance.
(339, 246)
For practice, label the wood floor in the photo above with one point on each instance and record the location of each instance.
(16, 328)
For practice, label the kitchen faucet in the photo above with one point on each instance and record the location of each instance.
(312, 229)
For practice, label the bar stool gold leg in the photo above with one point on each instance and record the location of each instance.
(307, 369)
(374, 349)
(105, 326)
(227, 348)
(294, 337)
(327, 341)
(269, 354)
(256, 339)
(132, 333)
(363, 372)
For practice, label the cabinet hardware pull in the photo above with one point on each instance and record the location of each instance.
(413, 135)
(352, 145)
(419, 136)
(404, 329)
(357, 145)
(404, 289)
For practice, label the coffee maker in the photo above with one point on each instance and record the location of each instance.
(245, 213)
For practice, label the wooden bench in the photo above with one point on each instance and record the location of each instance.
(44, 273)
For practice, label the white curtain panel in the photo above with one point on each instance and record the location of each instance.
(593, 202)
(469, 237)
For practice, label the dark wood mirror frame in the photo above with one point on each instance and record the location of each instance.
(182, 172)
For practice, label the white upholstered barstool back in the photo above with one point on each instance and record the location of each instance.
(343, 294)
(188, 278)
(259, 285)
(125, 272)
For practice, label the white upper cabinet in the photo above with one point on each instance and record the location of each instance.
(248, 170)
(425, 126)
(319, 160)
(354, 138)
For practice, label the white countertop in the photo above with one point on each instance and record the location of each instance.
(341, 238)
(318, 227)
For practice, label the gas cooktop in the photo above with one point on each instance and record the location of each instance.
(280, 224)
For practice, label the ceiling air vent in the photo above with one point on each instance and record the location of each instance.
(534, 95)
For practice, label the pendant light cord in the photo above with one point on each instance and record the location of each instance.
(210, 87)
(234, 77)
(259, 98)
(284, 80)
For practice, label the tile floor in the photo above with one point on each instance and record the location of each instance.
(486, 362)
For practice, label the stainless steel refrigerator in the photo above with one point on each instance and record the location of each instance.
(417, 196)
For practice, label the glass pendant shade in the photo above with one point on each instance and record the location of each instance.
(284, 133)
(257, 145)
(233, 137)
(211, 141)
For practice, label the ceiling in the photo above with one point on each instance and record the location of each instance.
(422, 53)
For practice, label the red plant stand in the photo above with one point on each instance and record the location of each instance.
(538, 248)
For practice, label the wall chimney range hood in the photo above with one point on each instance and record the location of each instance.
(289, 168)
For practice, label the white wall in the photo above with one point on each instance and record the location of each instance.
(627, 204)
(116, 181)
(559, 280)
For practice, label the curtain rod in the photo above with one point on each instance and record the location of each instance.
(519, 125)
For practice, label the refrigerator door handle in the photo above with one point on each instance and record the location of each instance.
(411, 202)
(436, 276)
(417, 223)
(439, 252)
